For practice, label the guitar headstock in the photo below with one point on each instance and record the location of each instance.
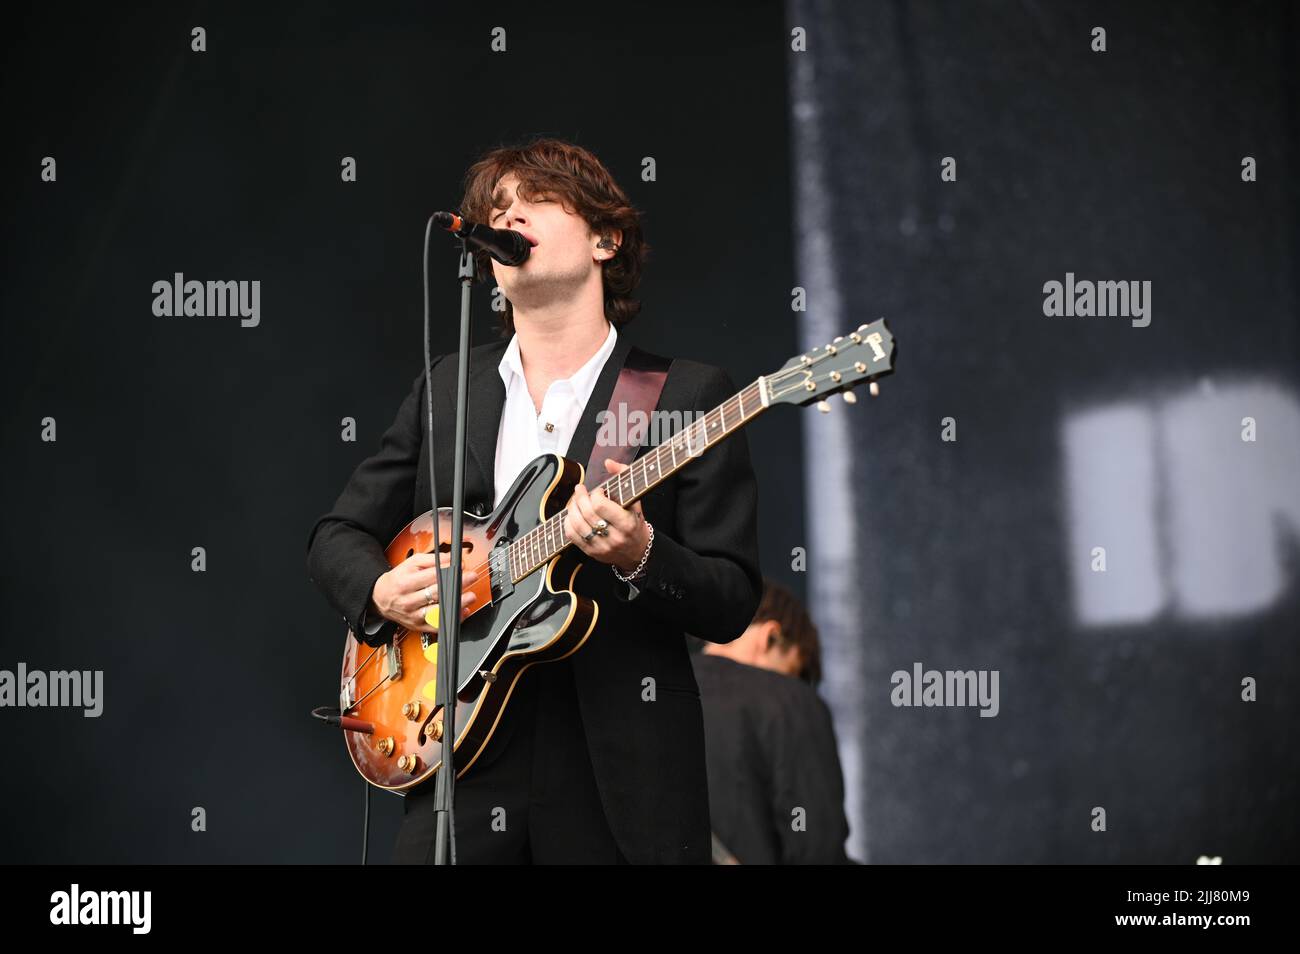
(861, 356)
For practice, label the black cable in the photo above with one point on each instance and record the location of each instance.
(331, 716)
(365, 824)
(433, 493)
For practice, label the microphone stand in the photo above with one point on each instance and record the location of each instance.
(449, 578)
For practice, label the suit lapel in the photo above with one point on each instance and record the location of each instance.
(487, 399)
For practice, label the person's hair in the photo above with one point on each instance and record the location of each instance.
(584, 186)
(797, 629)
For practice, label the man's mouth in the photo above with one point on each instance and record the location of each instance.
(531, 241)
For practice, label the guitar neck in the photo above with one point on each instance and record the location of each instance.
(546, 541)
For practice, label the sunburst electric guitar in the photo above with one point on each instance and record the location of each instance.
(527, 612)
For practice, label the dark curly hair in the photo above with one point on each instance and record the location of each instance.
(584, 186)
(797, 628)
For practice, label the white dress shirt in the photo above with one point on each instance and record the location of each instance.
(524, 434)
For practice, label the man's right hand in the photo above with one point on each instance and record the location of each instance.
(403, 593)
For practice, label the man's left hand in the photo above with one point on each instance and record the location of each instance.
(627, 536)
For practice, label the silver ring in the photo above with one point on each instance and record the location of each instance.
(428, 596)
(601, 526)
(587, 538)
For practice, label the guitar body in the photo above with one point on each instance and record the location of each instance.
(388, 693)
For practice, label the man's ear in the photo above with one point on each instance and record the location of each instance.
(771, 635)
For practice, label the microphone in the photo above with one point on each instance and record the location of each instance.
(505, 245)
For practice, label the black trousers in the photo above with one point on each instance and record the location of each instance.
(531, 798)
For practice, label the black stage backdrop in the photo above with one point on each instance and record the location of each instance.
(952, 523)
(176, 433)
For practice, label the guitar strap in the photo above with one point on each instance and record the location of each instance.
(639, 385)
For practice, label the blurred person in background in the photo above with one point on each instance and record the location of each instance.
(776, 790)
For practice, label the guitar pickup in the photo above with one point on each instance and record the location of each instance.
(499, 575)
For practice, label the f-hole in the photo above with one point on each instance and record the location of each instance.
(466, 547)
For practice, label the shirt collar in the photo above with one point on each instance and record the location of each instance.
(583, 380)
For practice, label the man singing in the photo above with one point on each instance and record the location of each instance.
(599, 757)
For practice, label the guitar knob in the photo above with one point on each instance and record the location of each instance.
(385, 745)
(412, 711)
(408, 763)
(850, 397)
(824, 407)
(875, 389)
(435, 731)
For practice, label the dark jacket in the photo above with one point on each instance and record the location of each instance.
(702, 576)
(772, 761)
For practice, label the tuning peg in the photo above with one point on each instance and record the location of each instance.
(850, 397)
(824, 406)
(875, 389)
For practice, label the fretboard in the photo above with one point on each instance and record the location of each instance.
(545, 541)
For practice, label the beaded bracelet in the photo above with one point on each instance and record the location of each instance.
(640, 566)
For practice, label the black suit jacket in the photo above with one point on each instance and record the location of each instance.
(702, 576)
(771, 747)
